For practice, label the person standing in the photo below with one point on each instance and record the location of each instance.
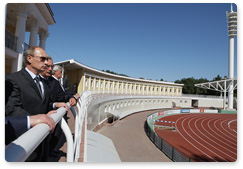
(25, 93)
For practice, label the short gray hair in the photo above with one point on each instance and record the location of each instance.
(56, 68)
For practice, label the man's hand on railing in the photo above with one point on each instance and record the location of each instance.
(72, 101)
(61, 104)
(77, 96)
(43, 118)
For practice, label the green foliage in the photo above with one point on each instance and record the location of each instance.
(189, 87)
(108, 71)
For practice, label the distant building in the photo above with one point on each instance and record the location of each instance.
(21, 18)
(86, 78)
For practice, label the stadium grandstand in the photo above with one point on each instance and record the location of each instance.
(105, 99)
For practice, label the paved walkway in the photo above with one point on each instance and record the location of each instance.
(131, 141)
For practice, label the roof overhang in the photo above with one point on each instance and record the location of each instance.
(73, 64)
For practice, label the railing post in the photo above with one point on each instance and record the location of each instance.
(172, 153)
(69, 138)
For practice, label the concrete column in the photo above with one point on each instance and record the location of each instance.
(99, 86)
(104, 87)
(20, 33)
(89, 85)
(108, 83)
(33, 33)
(43, 36)
(84, 83)
(122, 87)
(143, 88)
(231, 72)
(94, 81)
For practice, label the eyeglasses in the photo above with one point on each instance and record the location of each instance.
(42, 58)
(49, 66)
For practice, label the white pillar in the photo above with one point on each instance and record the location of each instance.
(33, 33)
(94, 81)
(231, 72)
(99, 86)
(89, 86)
(43, 37)
(84, 83)
(20, 33)
(122, 87)
(108, 83)
(104, 87)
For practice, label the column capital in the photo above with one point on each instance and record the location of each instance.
(34, 25)
(43, 35)
(21, 11)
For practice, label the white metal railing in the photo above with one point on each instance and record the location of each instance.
(21, 148)
(82, 105)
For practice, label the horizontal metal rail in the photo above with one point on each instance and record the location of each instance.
(21, 148)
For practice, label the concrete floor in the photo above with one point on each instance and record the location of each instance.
(131, 141)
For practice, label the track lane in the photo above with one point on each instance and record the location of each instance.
(206, 137)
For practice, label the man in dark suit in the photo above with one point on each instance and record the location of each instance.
(15, 126)
(26, 94)
(57, 73)
(57, 94)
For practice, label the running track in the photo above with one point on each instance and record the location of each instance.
(203, 136)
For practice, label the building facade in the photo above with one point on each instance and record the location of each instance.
(20, 19)
(85, 78)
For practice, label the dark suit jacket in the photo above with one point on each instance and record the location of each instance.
(22, 96)
(15, 126)
(56, 92)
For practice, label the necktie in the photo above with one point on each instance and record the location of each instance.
(37, 81)
(61, 85)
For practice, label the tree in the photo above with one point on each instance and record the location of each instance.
(190, 88)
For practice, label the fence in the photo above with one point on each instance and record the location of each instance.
(173, 153)
(170, 151)
(21, 148)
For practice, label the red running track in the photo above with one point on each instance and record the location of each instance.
(203, 136)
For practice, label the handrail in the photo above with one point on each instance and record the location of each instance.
(82, 105)
(21, 148)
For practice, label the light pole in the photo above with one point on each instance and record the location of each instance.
(232, 30)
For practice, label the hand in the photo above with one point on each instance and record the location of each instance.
(51, 112)
(77, 96)
(72, 101)
(61, 104)
(42, 118)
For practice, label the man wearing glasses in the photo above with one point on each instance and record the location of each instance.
(25, 93)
